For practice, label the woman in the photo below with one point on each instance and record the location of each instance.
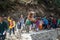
(3, 28)
(11, 25)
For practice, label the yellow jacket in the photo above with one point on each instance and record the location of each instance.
(11, 23)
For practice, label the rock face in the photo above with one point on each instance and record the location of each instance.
(42, 35)
(17, 7)
(24, 9)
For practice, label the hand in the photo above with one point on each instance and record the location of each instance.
(4, 32)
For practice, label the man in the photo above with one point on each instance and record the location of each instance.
(29, 21)
(21, 20)
(54, 22)
(3, 28)
(20, 25)
(45, 22)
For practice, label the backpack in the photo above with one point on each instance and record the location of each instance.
(45, 21)
(11, 24)
(59, 21)
(19, 25)
(54, 21)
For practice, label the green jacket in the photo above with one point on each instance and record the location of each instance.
(59, 21)
(28, 22)
(3, 27)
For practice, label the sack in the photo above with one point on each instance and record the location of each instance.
(28, 22)
(40, 26)
(54, 21)
(33, 20)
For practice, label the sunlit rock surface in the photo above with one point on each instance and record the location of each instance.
(41, 35)
(53, 34)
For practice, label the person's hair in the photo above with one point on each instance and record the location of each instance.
(38, 18)
(1, 16)
(31, 14)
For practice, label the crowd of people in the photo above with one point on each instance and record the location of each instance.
(30, 23)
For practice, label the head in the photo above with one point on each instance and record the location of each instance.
(51, 17)
(31, 14)
(21, 16)
(5, 18)
(1, 18)
(38, 18)
(12, 19)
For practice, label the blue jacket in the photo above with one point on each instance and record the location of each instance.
(45, 21)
